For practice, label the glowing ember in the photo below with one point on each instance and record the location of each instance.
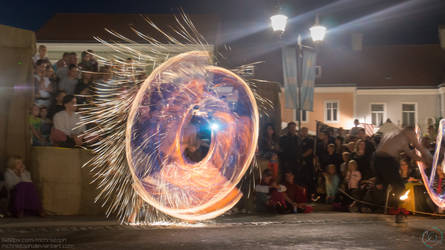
(404, 196)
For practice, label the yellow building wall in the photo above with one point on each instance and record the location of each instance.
(287, 115)
(346, 110)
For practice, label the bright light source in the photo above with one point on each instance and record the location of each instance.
(214, 126)
(317, 31)
(278, 22)
(404, 196)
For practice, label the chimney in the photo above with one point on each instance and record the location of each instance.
(442, 36)
(357, 41)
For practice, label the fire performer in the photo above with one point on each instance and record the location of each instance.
(386, 161)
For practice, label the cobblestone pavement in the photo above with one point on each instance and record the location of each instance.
(323, 230)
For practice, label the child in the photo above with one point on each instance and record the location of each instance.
(346, 156)
(331, 183)
(35, 122)
(45, 128)
(296, 196)
(273, 165)
(269, 195)
(353, 177)
(405, 172)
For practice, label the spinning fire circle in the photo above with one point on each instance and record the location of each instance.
(161, 131)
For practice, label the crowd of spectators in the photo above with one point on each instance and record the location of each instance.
(53, 121)
(334, 167)
(53, 118)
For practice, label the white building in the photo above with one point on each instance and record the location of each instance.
(404, 83)
(402, 106)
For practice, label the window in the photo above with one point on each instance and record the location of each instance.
(317, 71)
(331, 111)
(377, 114)
(304, 116)
(408, 114)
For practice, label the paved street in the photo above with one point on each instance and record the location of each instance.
(322, 230)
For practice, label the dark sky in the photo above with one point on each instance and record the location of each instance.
(382, 21)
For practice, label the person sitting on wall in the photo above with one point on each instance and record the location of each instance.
(23, 194)
(66, 131)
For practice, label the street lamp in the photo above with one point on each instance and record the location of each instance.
(317, 31)
(278, 22)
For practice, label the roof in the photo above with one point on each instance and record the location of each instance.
(394, 66)
(383, 66)
(72, 27)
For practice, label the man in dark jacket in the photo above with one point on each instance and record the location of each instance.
(290, 150)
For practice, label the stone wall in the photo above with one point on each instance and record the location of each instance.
(63, 184)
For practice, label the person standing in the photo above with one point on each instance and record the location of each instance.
(68, 84)
(62, 65)
(35, 124)
(41, 55)
(386, 160)
(363, 158)
(307, 171)
(355, 129)
(269, 148)
(290, 150)
(57, 106)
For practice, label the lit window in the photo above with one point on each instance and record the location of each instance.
(377, 114)
(409, 114)
(331, 111)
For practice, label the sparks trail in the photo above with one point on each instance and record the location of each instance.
(436, 197)
(143, 127)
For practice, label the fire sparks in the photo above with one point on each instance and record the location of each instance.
(143, 129)
(404, 196)
(436, 197)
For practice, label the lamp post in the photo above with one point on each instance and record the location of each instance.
(318, 33)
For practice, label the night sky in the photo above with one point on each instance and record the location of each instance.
(383, 21)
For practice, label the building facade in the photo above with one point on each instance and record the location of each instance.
(332, 105)
(403, 83)
(339, 106)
